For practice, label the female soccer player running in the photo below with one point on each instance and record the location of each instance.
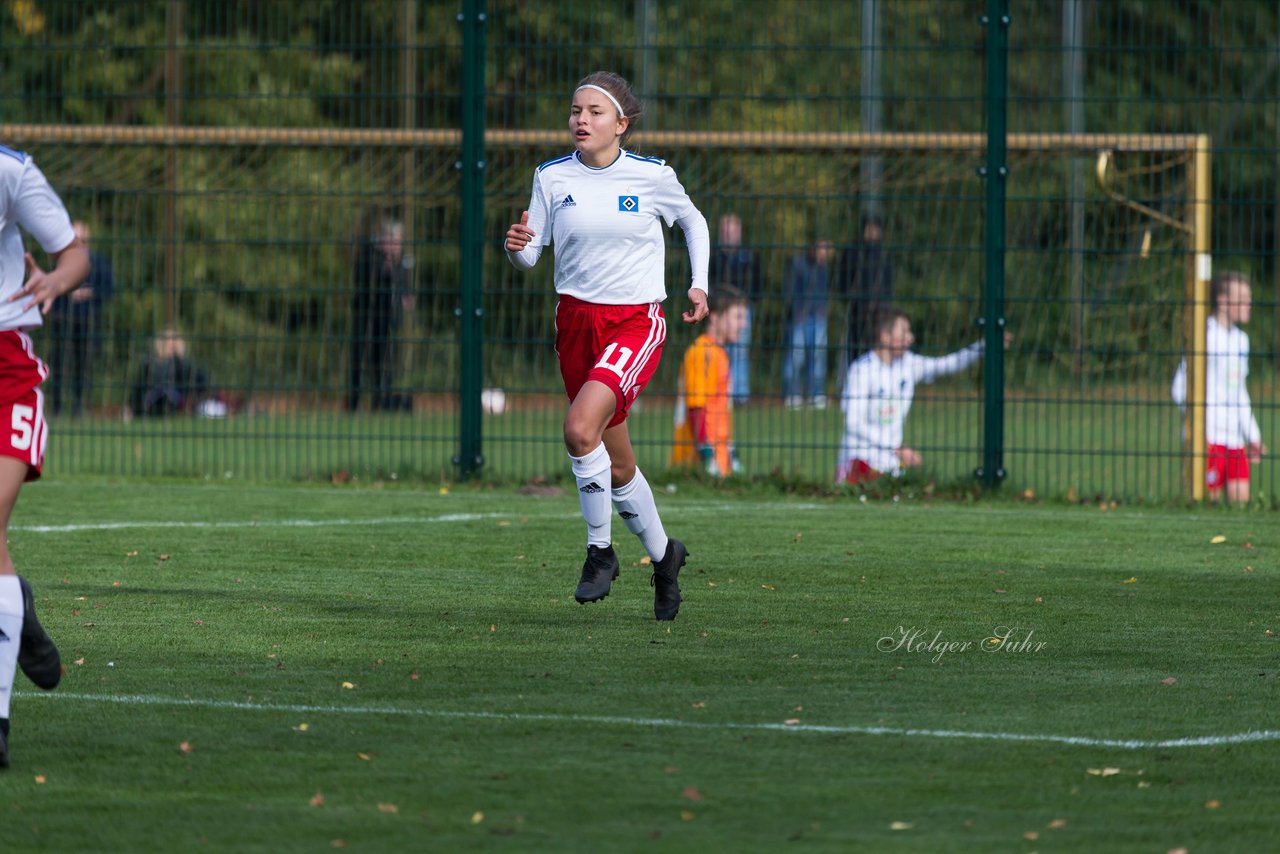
(26, 294)
(603, 208)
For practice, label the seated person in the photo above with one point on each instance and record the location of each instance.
(877, 397)
(167, 382)
(704, 411)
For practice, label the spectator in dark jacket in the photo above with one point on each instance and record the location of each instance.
(867, 277)
(381, 294)
(734, 264)
(75, 326)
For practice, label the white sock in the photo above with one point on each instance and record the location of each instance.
(640, 514)
(592, 473)
(10, 636)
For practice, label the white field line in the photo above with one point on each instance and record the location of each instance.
(171, 524)
(667, 723)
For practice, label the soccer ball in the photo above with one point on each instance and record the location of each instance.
(493, 401)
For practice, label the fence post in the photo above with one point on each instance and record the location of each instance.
(996, 172)
(471, 239)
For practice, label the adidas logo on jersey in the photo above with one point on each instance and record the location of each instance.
(627, 514)
(592, 488)
(568, 202)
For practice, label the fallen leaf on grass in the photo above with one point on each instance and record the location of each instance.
(1058, 823)
(791, 721)
(644, 561)
(185, 747)
(1169, 680)
(348, 685)
(41, 780)
(317, 800)
(1218, 539)
(692, 793)
(1104, 772)
(477, 817)
(1176, 851)
(388, 808)
(1131, 580)
(79, 660)
(901, 825)
(363, 756)
(302, 727)
(701, 704)
(338, 843)
(1031, 835)
(1212, 805)
(687, 815)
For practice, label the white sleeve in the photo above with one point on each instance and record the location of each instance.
(40, 212)
(698, 238)
(674, 206)
(539, 223)
(1178, 390)
(1248, 422)
(928, 368)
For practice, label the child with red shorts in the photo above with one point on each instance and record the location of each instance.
(26, 295)
(1233, 439)
(603, 208)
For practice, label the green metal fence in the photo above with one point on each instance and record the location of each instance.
(234, 159)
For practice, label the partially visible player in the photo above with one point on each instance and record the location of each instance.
(704, 410)
(1232, 437)
(603, 208)
(878, 391)
(26, 295)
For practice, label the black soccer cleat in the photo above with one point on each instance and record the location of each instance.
(598, 573)
(666, 590)
(37, 655)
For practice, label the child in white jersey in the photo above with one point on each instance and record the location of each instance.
(603, 208)
(878, 391)
(26, 295)
(1233, 439)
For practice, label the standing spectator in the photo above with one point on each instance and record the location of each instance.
(381, 294)
(76, 327)
(704, 410)
(734, 264)
(867, 275)
(1232, 437)
(27, 202)
(805, 370)
(603, 207)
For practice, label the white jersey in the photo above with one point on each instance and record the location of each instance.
(1228, 412)
(26, 200)
(606, 225)
(877, 398)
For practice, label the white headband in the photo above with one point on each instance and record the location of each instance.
(606, 93)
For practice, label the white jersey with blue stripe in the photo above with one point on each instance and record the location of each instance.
(27, 202)
(606, 226)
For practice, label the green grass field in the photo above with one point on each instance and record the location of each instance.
(1126, 447)
(297, 668)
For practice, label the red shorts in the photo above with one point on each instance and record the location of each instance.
(1222, 464)
(618, 345)
(856, 471)
(23, 431)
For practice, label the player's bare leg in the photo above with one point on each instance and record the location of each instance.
(25, 642)
(584, 429)
(1238, 491)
